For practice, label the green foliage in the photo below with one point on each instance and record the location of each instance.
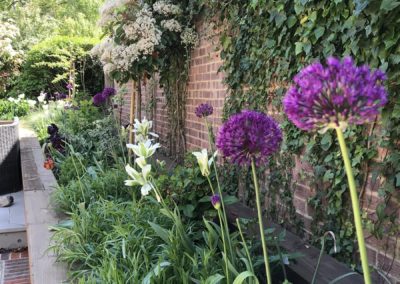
(9, 110)
(41, 19)
(266, 43)
(188, 188)
(47, 66)
(80, 183)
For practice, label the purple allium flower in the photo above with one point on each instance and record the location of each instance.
(52, 129)
(204, 110)
(335, 95)
(70, 86)
(99, 99)
(248, 136)
(216, 201)
(108, 92)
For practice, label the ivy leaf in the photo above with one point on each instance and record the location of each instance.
(380, 211)
(360, 6)
(398, 179)
(328, 176)
(326, 141)
(388, 5)
(319, 32)
(291, 21)
(298, 48)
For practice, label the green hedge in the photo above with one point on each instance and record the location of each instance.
(9, 110)
(51, 59)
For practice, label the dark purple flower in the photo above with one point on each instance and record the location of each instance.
(216, 201)
(204, 110)
(248, 136)
(108, 92)
(61, 96)
(99, 99)
(52, 129)
(335, 95)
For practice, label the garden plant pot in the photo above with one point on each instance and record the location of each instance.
(10, 173)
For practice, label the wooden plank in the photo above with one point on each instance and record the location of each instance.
(304, 266)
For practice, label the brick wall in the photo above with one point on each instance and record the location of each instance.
(206, 85)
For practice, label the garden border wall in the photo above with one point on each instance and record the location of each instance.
(38, 184)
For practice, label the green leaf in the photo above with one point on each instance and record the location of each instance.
(161, 232)
(388, 5)
(380, 211)
(243, 276)
(230, 199)
(398, 179)
(298, 47)
(319, 32)
(214, 279)
(188, 210)
(326, 141)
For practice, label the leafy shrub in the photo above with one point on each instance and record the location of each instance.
(47, 66)
(9, 110)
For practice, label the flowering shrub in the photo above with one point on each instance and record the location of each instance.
(10, 56)
(139, 34)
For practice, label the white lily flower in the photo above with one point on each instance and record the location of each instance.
(139, 178)
(31, 103)
(141, 162)
(144, 149)
(202, 160)
(41, 97)
(146, 189)
(142, 130)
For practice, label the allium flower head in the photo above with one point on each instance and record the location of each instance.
(335, 95)
(99, 99)
(248, 136)
(108, 92)
(216, 201)
(70, 86)
(204, 110)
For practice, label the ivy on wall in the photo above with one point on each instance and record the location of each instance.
(265, 43)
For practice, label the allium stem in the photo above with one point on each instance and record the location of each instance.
(210, 140)
(260, 222)
(355, 205)
(222, 232)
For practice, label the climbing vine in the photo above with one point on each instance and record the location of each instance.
(152, 37)
(265, 43)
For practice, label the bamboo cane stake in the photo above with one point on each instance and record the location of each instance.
(132, 118)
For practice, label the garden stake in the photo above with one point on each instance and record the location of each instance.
(260, 222)
(355, 205)
(131, 120)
